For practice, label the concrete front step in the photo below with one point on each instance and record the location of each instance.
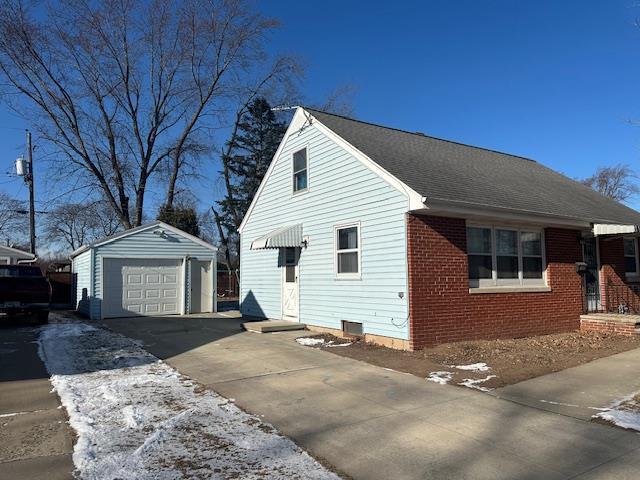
(267, 326)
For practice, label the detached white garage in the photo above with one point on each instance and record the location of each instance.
(151, 270)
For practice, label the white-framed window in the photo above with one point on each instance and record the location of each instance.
(505, 256)
(631, 256)
(347, 251)
(300, 171)
(5, 261)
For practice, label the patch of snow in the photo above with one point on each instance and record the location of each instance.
(333, 344)
(624, 413)
(475, 383)
(622, 418)
(474, 367)
(310, 342)
(136, 418)
(440, 377)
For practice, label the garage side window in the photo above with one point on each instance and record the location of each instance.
(348, 251)
(300, 171)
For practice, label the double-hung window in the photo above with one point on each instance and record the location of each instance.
(300, 171)
(347, 238)
(505, 257)
(631, 256)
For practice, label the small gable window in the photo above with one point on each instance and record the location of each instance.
(300, 171)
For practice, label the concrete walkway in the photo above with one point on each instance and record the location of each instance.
(580, 391)
(372, 423)
(35, 440)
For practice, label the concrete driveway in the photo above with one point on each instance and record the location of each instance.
(580, 391)
(373, 423)
(35, 440)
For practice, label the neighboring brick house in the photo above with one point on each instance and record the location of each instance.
(412, 240)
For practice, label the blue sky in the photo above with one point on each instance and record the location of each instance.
(553, 81)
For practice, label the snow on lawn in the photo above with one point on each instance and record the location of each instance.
(137, 418)
(476, 383)
(474, 367)
(310, 342)
(624, 413)
(315, 342)
(440, 377)
(332, 344)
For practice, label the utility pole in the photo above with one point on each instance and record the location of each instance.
(28, 178)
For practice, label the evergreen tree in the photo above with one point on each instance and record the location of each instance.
(184, 218)
(254, 141)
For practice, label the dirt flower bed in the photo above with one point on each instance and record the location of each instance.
(487, 364)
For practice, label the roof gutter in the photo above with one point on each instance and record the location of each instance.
(453, 208)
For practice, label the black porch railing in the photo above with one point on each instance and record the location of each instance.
(622, 298)
(593, 302)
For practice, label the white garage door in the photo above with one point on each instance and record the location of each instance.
(142, 287)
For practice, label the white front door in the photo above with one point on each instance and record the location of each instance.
(290, 283)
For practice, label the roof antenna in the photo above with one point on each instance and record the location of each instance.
(309, 118)
(281, 108)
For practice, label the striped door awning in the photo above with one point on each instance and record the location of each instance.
(290, 236)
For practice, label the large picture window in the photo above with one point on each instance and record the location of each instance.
(631, 256)
(505, 257)
(300, 176)
(348, 251)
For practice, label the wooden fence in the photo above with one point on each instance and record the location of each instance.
(228, 285)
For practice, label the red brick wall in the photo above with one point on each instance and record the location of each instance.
(442, 309)
(603, 325)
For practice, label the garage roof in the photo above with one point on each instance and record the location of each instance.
(157, 224)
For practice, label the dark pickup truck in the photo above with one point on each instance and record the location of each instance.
(24, 290)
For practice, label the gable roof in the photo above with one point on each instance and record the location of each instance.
(141, 228)
(470, 176)
(15, 251)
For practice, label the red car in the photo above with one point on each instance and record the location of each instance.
(24, 290)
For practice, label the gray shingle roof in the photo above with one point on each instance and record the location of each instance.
(449, 171)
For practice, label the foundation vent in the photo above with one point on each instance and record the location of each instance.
(352, 328)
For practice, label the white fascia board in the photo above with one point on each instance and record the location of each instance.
(300, 118)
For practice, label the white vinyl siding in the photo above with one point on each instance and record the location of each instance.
(342, 191)
(82, 281)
